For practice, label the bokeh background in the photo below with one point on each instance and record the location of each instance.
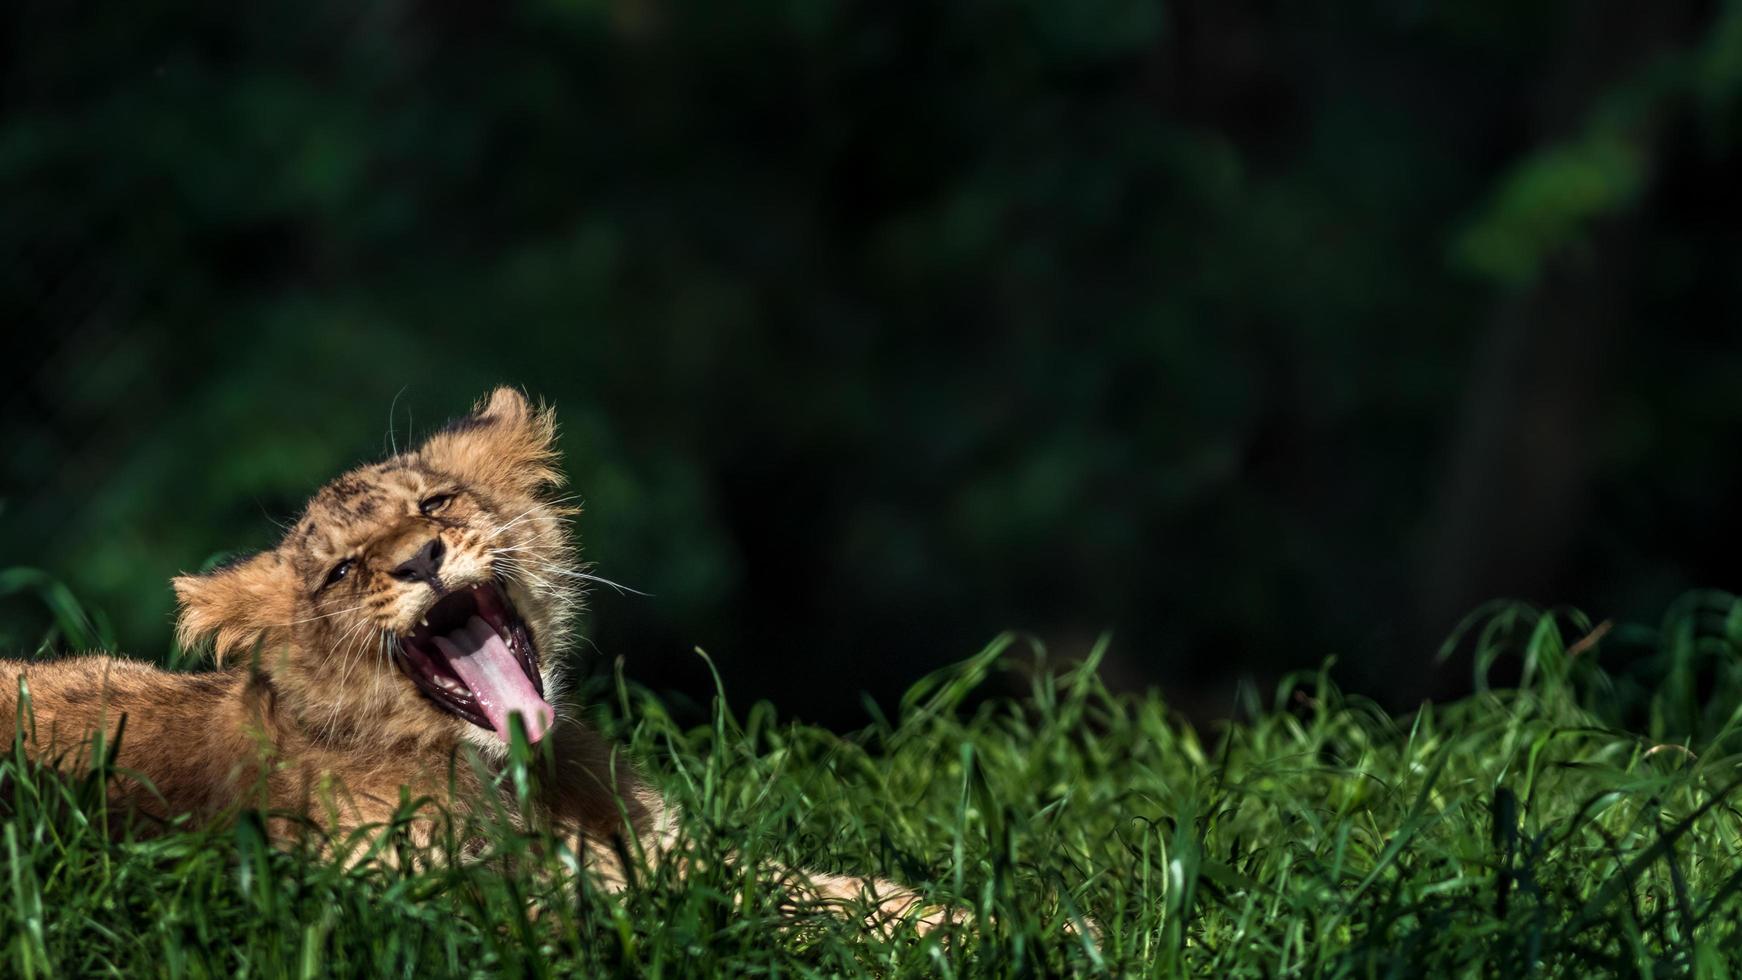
(1249, 333)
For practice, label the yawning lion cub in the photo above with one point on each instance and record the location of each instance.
(419, 606)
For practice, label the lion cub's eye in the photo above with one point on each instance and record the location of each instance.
(432, 504)
(339, 571)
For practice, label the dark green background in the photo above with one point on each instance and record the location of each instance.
(1251, 332)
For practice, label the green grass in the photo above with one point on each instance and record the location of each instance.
(1584, 821)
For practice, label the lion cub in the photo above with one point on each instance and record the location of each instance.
(418, 606)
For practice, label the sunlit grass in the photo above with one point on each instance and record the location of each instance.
(1581, 822)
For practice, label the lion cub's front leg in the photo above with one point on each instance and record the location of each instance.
(886, 905)
(617, 815)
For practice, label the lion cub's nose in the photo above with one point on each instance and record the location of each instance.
(423, 566)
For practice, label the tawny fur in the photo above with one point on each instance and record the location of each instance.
(309, 718)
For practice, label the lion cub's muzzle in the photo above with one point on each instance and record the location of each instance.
(473, 655)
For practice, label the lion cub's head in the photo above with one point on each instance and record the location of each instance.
(424, 596)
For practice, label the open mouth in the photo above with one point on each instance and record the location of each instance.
(473, 655)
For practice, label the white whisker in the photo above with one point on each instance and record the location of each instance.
(392, 437)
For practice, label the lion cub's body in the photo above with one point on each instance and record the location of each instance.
(326, 711)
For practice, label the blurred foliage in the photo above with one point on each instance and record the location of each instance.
(878, 327)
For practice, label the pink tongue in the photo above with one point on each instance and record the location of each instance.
(490, 669)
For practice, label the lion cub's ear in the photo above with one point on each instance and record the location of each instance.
(506, 443)
(236, 606)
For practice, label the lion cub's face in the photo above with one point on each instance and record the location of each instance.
(421, 596)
